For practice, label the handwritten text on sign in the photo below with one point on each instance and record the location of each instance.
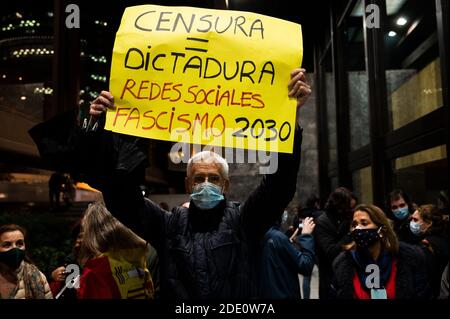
(205, 77)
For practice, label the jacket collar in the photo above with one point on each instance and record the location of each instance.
(204, 220)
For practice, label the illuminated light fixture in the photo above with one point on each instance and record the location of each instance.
(401, 21)
(4, 76)
(23, 98)
(20, 78)
(3, 196)
(392, 34)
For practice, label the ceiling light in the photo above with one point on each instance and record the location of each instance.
(401, 21)
(392, 34)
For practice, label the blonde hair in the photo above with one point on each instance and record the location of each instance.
(102, 233)
(389, 239)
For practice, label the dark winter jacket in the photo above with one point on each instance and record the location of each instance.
(444, 284)
(412, 281)
(436, 248)
(281, 262)
(330, 234)
(401, 228)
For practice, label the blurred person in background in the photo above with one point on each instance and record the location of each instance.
(114, 259)
(430, 226)
(58, 284)
(399, 210)
(282, 261)
(331, 234)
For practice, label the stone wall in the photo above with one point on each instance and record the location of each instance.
(245, 177)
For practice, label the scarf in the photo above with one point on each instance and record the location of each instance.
(384, 262)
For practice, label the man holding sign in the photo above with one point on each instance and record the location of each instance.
(209, 249)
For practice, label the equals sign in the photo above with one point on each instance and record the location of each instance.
(196, 49)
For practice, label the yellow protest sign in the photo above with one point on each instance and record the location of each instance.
(204, 76)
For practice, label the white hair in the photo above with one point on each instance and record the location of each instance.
(209, 157)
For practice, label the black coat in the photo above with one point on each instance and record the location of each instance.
(436, 248)
(401, 228)
(330, 234)
(412, 281)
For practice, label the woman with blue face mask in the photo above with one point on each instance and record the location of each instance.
(19, 279)
(430, 226)
(400, 209)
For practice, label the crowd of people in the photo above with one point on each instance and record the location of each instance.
(116, 263)
(212, 248)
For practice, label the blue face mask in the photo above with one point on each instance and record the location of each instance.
(415, 228)
(207, 195)
(401, 213)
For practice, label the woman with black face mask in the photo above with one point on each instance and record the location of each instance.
(376, 265)
(19, 279)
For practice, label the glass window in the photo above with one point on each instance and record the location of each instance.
(331, 110)
(26, 53)
(422, 174)
(334, 183)
(355, 67)
(412, 63)
(362, 185)
(97, 34)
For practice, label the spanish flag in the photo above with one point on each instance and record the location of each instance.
(117, 275)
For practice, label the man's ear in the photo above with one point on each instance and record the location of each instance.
(187, 185)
